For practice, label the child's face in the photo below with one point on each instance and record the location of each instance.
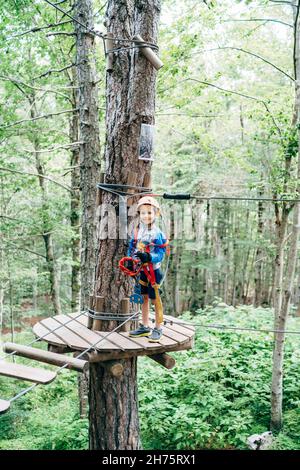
(147, 214)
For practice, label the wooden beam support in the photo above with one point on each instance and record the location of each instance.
(46, 356)
(148, 53)
(108, 356)
(59, 349)
(131, 180)
(91, 306)
(164, 359)
(147, 180)
(115, 368)
(109, 45)
(125, 308)
(99, 305)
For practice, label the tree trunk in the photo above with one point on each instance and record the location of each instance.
(47, 235)
(114, 422)
(259, 254)
(75, 201)
(282, 316)
(90, 148)
(283, 301)
(89, 160)
(170, 282)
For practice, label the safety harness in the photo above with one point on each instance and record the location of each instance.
(147, 269)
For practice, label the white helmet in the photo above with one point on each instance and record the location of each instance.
(148, 200)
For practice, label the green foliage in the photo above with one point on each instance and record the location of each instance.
(219, 393)
(47, 418)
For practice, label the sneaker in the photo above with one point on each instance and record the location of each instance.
(155, 335)
(140, 331)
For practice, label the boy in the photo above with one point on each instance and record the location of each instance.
(148, 234)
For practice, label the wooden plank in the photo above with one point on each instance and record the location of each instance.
(103, 356)
(180, 329)
(55, 331)
(70, 339)
(46, 356)
(118, 339)
(123, 342)
(18, 371)
(4, 406)
(69, 324)
(178, 337)
(90, 335)
(83, 319)
(166, 341)
(143, 342)
(40, 331)
(101, 334)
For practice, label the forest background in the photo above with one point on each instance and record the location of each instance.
(225, 100)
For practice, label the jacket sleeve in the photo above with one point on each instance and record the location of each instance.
(157, 255)
(130, 247)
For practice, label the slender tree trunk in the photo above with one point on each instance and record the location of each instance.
(47, 236)
(297, 314)
(2, 284)
(283, 301)
(35, 281)
(11, 304)
(259, 255)
(89, 160)
(170, 282)
(114, 422)
(75, 201)
(89, 153)
(276, 411)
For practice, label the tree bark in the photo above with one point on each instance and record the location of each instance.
(75, 201)
(259, 254)
(114, 422)
(89, 160)
(89, 152)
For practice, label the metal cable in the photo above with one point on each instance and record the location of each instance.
(107, 315)
(195, 196)
(224, 327)
(44, 336)
(103, 36)
(28, 389)
(109, 188)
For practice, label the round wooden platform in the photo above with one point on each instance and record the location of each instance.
(71, 332)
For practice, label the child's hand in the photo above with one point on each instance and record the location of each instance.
(130, 265)
(144, 257)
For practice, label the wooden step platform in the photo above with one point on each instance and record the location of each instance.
(4, 406)
(70, 332)
(45, 356)
(32, 374)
